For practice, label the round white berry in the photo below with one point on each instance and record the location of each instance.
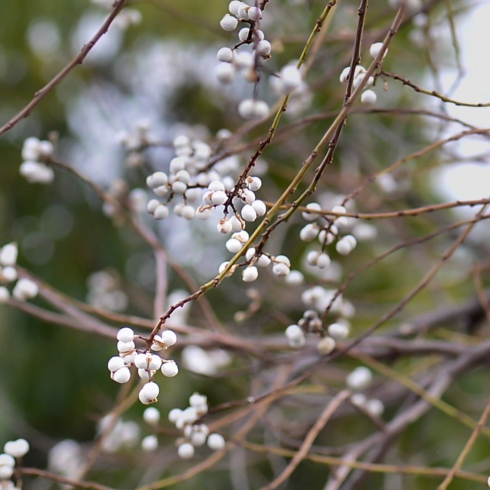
(294, 332)
(216, 442)
(375, 49)
(309, 232)
(179, 187)
(295, 278)
(313, 206)
(280, 270)
(343, 247)
(188, 212)
(250, 274)
(228, 23)
(375, 407)
(170, 369)
(156, 180)
(16, 449)
(264, 47)
(369, 97)
(149, 393)
(359, 379)
(338, 331)
(115, 363)
(236, 224)
(124, 347)
(225, 73)
(233, 245)
(149, 443)
(248, 213)
(290, 78)
(9, 274)
(234, 6)
(7, 460)
(244, 61)
(197, 400)
(145, 374)
(152, 205)
(122, 375)
(151, 415)
(259, 207)
(8, 254)
(125, 334)
(174, 415)
(219, 197)
(161, 212)
(6, 472)
(254, 13)
(225, 55)
(243, 34)
(325, 346)
(224, 226)
(169, 337)
(186, 450)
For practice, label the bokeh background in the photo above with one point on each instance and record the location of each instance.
(54, 384)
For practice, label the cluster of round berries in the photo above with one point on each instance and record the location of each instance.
(194, 434)
(320, 299)
(359, 380)
(34, 154)
(281, 265)
(327, 231)
(368, 97)
(311, 323)
(24, 288)
(250, 62)
(146, 362)
(12, 450)
(189, 177)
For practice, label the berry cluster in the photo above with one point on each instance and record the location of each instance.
(13, 450)
(359, 380)
(24, 288)
(249, 56)
(34, 155)
(194, 434)
(146, 362)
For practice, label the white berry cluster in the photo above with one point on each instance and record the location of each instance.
(368, 97)
(12, 450)
(146, 362)
(281, 265)
(194, 434)
(319, 299)
(188, 179)
(327, 231)
(359, 380)
(250, 61)
(24, 288)
(311, 323)
(34, 155)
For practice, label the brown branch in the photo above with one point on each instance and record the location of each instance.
(77, 60)
(63, 480)
(331, 407)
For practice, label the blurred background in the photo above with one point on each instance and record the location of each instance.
(155, 69)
